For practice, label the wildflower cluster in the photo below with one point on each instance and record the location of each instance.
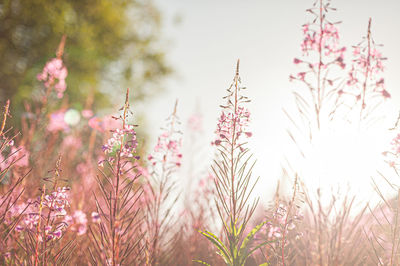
(320, 37)
(326, 40)
(282, 222)
(395, 144)
(232, 171)
(122, 141)
(167, 150)
(116, 218)
(365, 85)
(159, 187)
(57, 201)
(53, 206)
(322, 55)
(234, 120)
(230, 123)
(392, 154)
(53, 75)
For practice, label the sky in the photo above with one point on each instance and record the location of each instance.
(203, 40)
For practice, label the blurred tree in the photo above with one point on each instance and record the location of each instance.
(111, 44)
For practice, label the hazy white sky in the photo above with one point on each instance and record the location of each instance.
(205, 38)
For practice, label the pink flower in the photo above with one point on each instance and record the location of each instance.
(57, 201)
(166, 153)
(367, 67)
(167, 149)
(396, 144)
(53, 75)
(77, 222)
(57, 122)
(95, 217)
(87, 113)
(297, 61)
(54, 204)
(385, 94)
(232, 125)
(122, 140)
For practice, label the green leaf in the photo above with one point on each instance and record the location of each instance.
(259, 246)
(201, 262)
(264, 264)
(243, 252)
(218, 243)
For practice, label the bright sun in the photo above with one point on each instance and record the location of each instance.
(344, 159)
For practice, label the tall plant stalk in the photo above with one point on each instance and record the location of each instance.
(117, 237)
(232, 170)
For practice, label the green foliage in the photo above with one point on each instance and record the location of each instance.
(110, 45)
(234, 255)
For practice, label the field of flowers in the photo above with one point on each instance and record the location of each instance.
(77, 188)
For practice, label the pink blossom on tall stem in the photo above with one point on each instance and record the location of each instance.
(232, 122)
(365, 86)
(167, 149)
(54, 74)
(95, 217)
(322, 55)
(115, 218)
(159, 186)
(396, 144)
(54, 205)
(326, 40)
(57, 201)
(122, 140)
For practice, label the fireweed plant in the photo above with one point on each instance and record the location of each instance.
(232, 170)
(54, 73)
(336, 89)
(322, 58)
(42, 226)
(36, 120)
(11, 192)
(341, 92)
(383, 234)
(115, 230)
(161, 193)
(130, 218)
(364, 89)
(283, 218)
